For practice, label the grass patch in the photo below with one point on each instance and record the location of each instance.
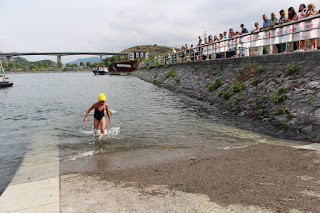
(169, 74)
(156, 82)
(279, 112)
(255, 81)
(285, 126)
(213, 73)
(237, 100)
(279, 96)
(225, 95)
(291, 69)
(218, 83)
(248, 71)
(159, 65)
(238, 86)
(178, 80)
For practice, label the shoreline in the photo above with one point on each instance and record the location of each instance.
(263, 177)
(44, 71)
(257, 90)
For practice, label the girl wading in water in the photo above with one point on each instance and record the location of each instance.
(99, 118)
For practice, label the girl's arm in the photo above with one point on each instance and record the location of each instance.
(88, 111)
(108, 113)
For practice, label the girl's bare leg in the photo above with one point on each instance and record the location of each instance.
(95, 125)
(103, 124)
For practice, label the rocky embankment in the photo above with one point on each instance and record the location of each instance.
(279, 94)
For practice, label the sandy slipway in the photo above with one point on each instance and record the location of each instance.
(258, 178)
(278, 94)
(264, 177)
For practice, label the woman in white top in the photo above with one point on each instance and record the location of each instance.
(310, 12)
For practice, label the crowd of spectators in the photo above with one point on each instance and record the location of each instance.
(199, 52)
(267, 23)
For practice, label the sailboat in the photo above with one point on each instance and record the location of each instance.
(3, 79)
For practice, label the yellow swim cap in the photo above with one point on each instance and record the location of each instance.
(102, 97)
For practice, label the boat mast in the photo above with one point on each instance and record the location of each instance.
(2, 72)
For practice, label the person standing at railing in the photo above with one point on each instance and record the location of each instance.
(302, 11)
(183, 53)
(265, 22)
(174, 56)
(225, 35)
(205, 49)
(231, 50)
(199, 49)
(310, 12)
(244, 51)
(293, 16)
(283, 19)
(301, 14)
(210, 47)
(243, 29)
(273, 21)
(192, 53)
(187, 52)
(221, 54)
(259, 50)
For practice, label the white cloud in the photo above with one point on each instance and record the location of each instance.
(108, 25)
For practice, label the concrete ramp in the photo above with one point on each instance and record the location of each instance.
(35, 187)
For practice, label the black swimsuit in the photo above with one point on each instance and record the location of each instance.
(98, 114)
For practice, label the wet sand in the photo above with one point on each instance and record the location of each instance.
(258, 178)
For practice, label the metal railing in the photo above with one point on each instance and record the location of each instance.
(249, 44)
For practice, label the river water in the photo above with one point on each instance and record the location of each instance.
(43, 107)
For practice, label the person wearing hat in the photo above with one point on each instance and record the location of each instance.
(99, 117)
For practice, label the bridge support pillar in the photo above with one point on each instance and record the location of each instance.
(59, 59)
(8, 59)
(100, 58)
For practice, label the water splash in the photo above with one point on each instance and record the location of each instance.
(80, 155)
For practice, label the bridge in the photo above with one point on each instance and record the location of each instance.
(58, 54)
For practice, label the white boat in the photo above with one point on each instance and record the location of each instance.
(3, 79)
(100, 70)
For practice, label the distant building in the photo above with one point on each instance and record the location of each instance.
(138, 54)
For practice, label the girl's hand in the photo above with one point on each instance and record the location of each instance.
(85, 118)
(109, 122)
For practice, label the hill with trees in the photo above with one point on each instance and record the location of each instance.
(151, 49)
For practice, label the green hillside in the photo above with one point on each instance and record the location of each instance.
(152, 49)
(24, 62)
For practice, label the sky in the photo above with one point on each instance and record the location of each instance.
(112, 26)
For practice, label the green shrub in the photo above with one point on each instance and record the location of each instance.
(279, 96)
(159, 65)
(156, 75)
(226, 95)
(170, 73)
(259, 69)
(279, 112)
(178, 80)
(291, 69)
(248, 71)
(237, 99)
(238, 86)
(213, 73)
(156, 82)
(218, 83)
(255, 81)
(285, 126)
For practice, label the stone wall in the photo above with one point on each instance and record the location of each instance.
(280, 93)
